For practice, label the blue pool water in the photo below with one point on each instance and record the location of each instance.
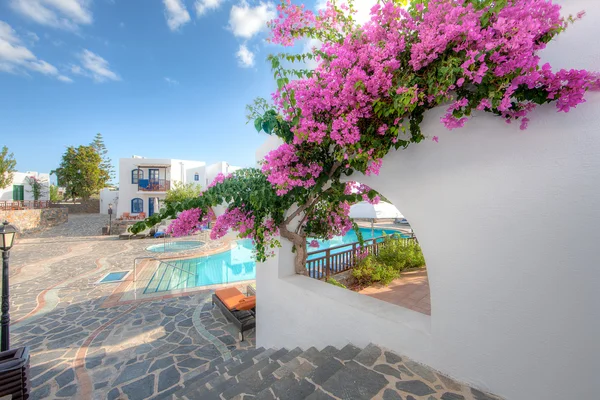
(114, 277)
(350, 238)
(172, 247)
(235, 265)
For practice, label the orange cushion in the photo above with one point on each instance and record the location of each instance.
(230, 297)
(247, 303)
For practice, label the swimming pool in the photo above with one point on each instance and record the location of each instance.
(172, 247)
(235, 265)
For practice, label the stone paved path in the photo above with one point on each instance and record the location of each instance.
(81, 348)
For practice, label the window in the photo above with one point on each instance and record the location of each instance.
(18, 192)
(136, 175)
(137, 205)
(196, 177)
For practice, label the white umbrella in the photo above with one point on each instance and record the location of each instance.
(382, 210)
(370, 211)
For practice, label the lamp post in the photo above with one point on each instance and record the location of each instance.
(7, 236)
(110, 211)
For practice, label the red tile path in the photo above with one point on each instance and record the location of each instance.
(411, 291)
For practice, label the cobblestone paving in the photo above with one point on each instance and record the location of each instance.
(81, 349)
(79, 226)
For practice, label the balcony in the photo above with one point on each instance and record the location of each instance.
(154, 185)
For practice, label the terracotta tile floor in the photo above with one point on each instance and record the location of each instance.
(411, 290)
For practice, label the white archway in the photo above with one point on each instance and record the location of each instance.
(515, 289)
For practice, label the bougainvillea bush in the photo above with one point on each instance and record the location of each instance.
(368, 95)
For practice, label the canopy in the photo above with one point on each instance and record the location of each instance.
(383, 210)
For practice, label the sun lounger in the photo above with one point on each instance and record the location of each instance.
(237, 308)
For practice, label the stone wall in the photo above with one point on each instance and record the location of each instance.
(345, 278)
(31, 220)
(91, 206)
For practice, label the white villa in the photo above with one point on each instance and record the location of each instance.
(144, 182)
(20, 190)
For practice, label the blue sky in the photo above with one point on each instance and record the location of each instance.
(158, 78)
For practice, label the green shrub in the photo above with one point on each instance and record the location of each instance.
(395, 255)
(400, 255)
(369, 271)
(334, 282)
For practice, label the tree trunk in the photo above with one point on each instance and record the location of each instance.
(299, 242)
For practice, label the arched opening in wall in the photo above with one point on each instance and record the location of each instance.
(390, 266)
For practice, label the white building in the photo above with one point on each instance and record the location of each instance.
(144, 182)
(20, 189)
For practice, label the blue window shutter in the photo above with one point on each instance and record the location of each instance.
(137, 205)
(136, 175)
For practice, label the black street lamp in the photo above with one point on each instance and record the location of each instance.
(7, 237)
(110, 211)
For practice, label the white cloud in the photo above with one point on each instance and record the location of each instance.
(32, 37)
(171, 81)
(16, 58)
(63, 14)
(65, 79)
(95, 67)
(362, 7)
(176, 14)
(204, 6)
(122, 25)
(246, 21)
(308, 48)
(245, 57)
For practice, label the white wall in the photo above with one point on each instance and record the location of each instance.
(213, 170)
(271, 142)
(508, 222)
(108, 196)
(20, 178)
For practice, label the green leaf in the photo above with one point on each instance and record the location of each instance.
(268, 126)
(258, 124)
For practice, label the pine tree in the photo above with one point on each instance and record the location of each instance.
(106, 166)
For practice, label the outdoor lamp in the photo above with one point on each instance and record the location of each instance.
(110, 211)
(7, 237)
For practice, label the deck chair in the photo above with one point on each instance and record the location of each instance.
(237, 308)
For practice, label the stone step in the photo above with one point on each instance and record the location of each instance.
(245, 356)
(347, 353)
(290, 355)
(288, 388)
(216, 368)
(225, 374)
(354, 381)
(257, 377)
(253, 380)
(369, 355)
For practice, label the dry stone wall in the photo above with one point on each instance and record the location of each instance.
(91, 206)
(31, 220)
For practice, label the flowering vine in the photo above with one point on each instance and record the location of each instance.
(368, 96)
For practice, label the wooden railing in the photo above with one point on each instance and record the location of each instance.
(324, 263)
(23, 204)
